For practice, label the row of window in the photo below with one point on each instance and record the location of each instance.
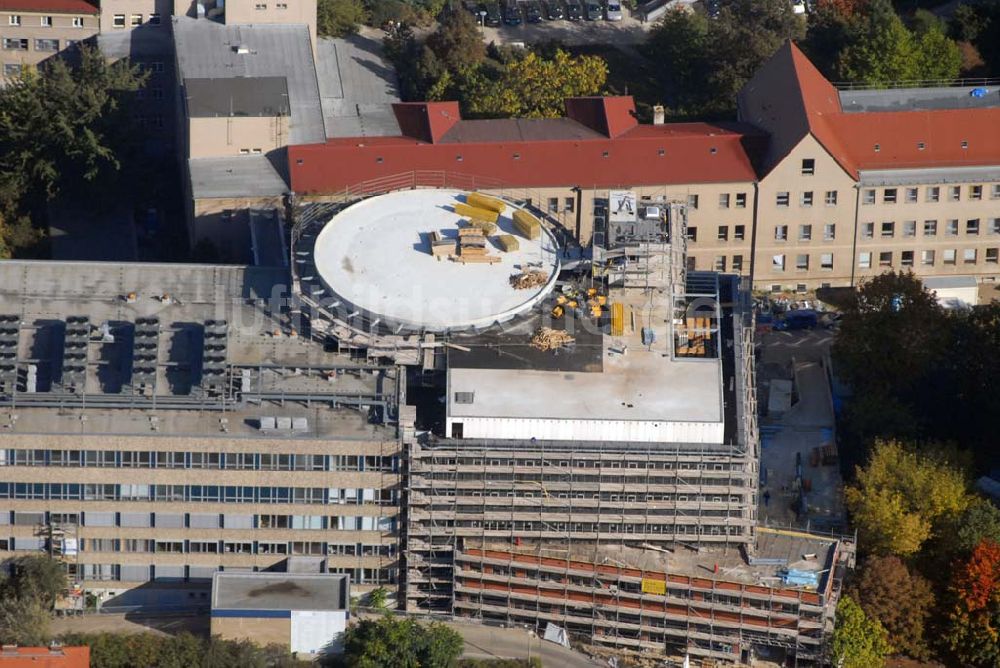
(240, 461)
(806, 198)
(931, 194)
(887, 229)
(118, 20)
(604, 527)
(722, 233)
(44, 21)
(179, 546)
(805, 232)
(580, 463)
(146, 520)
(22, 44)
(58, 491)
(262, 6)
(143, 573)
(948, 256)
(802, 262)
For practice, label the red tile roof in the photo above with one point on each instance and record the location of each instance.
(623, 154)
(49, 6)
(44, 657)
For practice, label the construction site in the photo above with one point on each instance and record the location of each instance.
(584, 453)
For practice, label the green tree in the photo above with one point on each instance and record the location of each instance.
(937, 55)
(337, 18)
(679, 45)
(23, 621)
(901, 493)
(858, 640)
(535, 87)
(882, 49)
(378, 597)
(37, 578)
(457, 42)
(900, 600)
(974, 622)
(391, 641)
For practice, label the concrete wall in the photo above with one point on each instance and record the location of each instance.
(31, 28)
(273, 11)
(238, 135)
(261, 630)
(134, 13)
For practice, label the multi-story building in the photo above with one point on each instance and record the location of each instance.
(160, 423)
(34, 30)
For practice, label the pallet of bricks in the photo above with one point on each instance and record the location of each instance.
(698, 337)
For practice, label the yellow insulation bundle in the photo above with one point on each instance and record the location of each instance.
(485, 202)
(527, 224)
(475, 213)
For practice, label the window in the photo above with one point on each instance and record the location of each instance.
(781, 199)
(930, 228)
(885, 259)
(156, 67)
(778, 262)
(995, 191)
(77, 21)
(831, 198)
(934, 194)
(969, 256)
(906, 258)
(154, 19)
(865, 260)
(888, 229)
(739, 232)
(909, 228)
(972, 226)
(927, 258)
(951, 228)
(867, 230)
(136, 20)
(992, 255)
(720, 262)
(45, 21)
(553, 205)
(118, 21)
(282, 5)
(741, 200)
(569, 204)
(738, 262)
(692, 233)
(46, 45)
(693, 201)
(802, 262)
(14, 20)
(808, 167)
(11, 69)
(975, 193)
(826, 261)
(724, 201)
(889, 196)
(949, 255)
(806, 199)
(829, 232)
(723, 234)
(780, 232)
(260, 6)
(775, 287)
(13, 44)
(954, 193)
(869, 197)
(911, 195)
(805, 232)
(994, 225)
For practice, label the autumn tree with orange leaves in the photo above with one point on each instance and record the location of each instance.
(974, 622)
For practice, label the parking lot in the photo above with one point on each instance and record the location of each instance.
(629, 30)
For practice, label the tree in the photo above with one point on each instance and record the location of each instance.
(974, 622)
(38, 578)
(534, 87)
(858, 640)
(337, 18)
(391, 641)
(845, 8)
(900, 600)
(901, 493)
(679, 46)
(937, 56)
(457, 42)
(23, 621)
(378, 597)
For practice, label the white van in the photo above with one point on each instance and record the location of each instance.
(614, 10)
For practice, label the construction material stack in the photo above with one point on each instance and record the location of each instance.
(527, 225)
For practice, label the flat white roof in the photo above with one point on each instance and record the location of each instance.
(375, 256)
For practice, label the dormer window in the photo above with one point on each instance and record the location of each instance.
(921, 146)
(878, 147)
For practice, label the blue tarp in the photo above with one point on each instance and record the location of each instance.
(979, 92)
(795, 577)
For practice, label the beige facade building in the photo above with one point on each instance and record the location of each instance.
(34, 30)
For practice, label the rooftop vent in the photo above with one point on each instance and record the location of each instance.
(241, 49)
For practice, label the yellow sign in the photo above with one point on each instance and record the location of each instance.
(654, 587)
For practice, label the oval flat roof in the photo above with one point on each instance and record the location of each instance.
(375, 255)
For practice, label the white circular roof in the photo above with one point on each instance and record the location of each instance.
(375, 256)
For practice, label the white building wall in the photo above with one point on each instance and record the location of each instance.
(317, 630)
(638, 431)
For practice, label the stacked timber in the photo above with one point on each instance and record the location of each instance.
(441, 247)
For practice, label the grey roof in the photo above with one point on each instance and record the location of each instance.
(208, 50)
(518, 129)
(945, 282)
(237, 176)
(147, 41)
(912, 99)
(357, 88)
(250, 96)
(279, 591)
(933, 175)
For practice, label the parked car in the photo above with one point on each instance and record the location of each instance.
(554, 10)
(574, 10)
(615, 10)
(512, 13)
(493, 16)
(533, 11)
(594, 10)
(798, 319)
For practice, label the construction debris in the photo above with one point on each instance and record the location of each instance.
(529, 279)
(546, 338)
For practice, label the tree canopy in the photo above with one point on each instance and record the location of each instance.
(974, 622)
(338, 18)
(128, 650)
(859, 641)
(900, 600)
(394, 641)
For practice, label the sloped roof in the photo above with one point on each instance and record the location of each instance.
(53, 6)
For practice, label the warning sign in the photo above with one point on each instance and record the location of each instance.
(654, 587)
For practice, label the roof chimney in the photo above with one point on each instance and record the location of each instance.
(659, 114)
